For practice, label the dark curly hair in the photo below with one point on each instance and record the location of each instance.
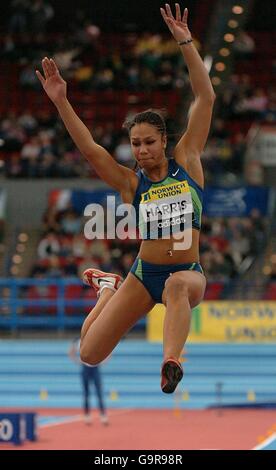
(150, 116)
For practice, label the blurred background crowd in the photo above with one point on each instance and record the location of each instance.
(114, 74)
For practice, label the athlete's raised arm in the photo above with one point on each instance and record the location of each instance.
(117, 176)
(192, 143)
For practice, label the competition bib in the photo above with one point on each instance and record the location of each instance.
(165, 210)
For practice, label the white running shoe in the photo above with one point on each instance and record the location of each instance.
(104, 420)
(87, 419)
(101, 280)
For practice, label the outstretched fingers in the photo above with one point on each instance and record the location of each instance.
(177, 12)
(169, 11)
(49, 69)
(166, 18)
(163, 13)
(185, 16)
(54, 67)
(45, 67)
(40, 77)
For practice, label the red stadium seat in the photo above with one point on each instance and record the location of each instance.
(41, 293)
(270, 293)
(89, 294)
(213, 291)
(73, 292)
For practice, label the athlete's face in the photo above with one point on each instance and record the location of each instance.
(148, 145)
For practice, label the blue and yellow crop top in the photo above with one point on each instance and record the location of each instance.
(169, 206)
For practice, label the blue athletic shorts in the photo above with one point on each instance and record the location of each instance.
(154, 276)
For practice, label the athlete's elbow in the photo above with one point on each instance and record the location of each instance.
(89, 153)
(211, 97)
(87, 148)
(206, 99)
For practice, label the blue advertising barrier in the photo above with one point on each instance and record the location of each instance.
(235, 202)
(218, 201)
(20, 310)
(15, 428)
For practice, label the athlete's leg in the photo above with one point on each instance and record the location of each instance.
(104, 297)
(130, 303)
(105, 285)
(183, 291)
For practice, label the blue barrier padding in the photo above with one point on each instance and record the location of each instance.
(15, 428)
(61, 312)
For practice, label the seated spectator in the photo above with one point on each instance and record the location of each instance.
(54, 267)
(244, 45)
(71, 222)
(49, 245)
(123, 152)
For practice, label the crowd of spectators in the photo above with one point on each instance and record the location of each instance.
(92, 60)
(39, 147)
(34, 143)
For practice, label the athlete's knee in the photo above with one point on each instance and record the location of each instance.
(90, 357)
(176, 286)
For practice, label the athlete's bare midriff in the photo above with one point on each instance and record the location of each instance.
(162, 251)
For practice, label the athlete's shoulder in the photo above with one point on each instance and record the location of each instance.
(193, 174)
(176, 167)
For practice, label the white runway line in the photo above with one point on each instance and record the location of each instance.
(73, 419)
(266, 442)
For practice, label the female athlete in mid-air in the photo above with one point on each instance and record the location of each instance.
(167, 196)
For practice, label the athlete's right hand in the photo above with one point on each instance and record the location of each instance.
(52, 82)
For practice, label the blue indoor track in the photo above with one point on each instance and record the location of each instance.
(38, 373)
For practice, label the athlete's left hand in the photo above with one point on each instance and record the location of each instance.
(178, 25)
